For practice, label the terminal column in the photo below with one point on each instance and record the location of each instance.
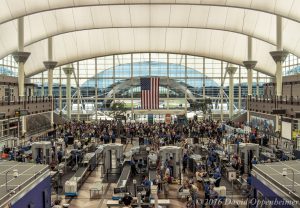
(96, 90)
(60, 93)
(68, 71)
(43, 86)
(222, 91)
(279, 56)
(231, 70)
(50, 65)
(250, 65)
(240, 92)
(21, 57)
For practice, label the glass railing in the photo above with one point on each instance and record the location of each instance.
(20, 100)
(276, 99)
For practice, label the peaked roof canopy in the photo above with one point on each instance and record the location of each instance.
(84, 29)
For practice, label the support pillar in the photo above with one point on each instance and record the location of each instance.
(222, 92)
(50, 65)
(185, 81)
(96, 90)
(23, 121)
(278, 56)
(60, 93)
(204, 75)
(131, 83)
(78, 92)
(250, 65)
(114, 79)
(21, 57)
(68, 71)
(257, 84)
(168, 83)
(231, 71)
(43, 86)
(240, 91)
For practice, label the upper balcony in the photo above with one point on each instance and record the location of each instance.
(266, 104)
(33, 105)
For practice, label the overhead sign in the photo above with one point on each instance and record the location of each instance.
(120, 117)
(150, 118)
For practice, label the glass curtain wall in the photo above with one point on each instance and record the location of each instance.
(291, 65)
(8, 66)
(102, 80)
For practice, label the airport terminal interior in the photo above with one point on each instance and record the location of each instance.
(149, 103)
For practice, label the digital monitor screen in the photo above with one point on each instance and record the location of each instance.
(120, 190)
(117, 190)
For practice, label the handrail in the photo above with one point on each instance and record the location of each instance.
(23, 100)
(276, 99)
(39, 130)
(19, 187)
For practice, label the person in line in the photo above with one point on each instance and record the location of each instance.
(133, 167)
(127, 200)
(158, 181)
(184, 163)
(146, 182)
(171, 166)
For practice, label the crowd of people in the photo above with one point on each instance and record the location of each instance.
(200, 180)
(197, 179)
(166, 133)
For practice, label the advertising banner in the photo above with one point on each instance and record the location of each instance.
(168, 118)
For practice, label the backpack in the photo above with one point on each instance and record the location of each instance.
(169, 179)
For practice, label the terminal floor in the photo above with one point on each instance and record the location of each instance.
(83, 199)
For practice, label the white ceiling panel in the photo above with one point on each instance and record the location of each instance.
(201, 27)
(221, 45)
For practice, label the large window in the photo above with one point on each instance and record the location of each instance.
(291, 65)
(117, 78)
(8, 66)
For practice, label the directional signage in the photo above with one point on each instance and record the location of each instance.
(120, 117)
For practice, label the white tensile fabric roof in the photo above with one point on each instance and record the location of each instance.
(84, 29)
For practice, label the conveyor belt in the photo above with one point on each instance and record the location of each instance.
(80, 172)
(124, 176)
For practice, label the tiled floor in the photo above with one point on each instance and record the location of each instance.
(83, 200)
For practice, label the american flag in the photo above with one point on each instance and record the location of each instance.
(150, 93)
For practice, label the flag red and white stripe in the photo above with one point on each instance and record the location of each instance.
(150, 93)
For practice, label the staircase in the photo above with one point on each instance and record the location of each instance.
(37, 123)
(59, 119)
(240, 117)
